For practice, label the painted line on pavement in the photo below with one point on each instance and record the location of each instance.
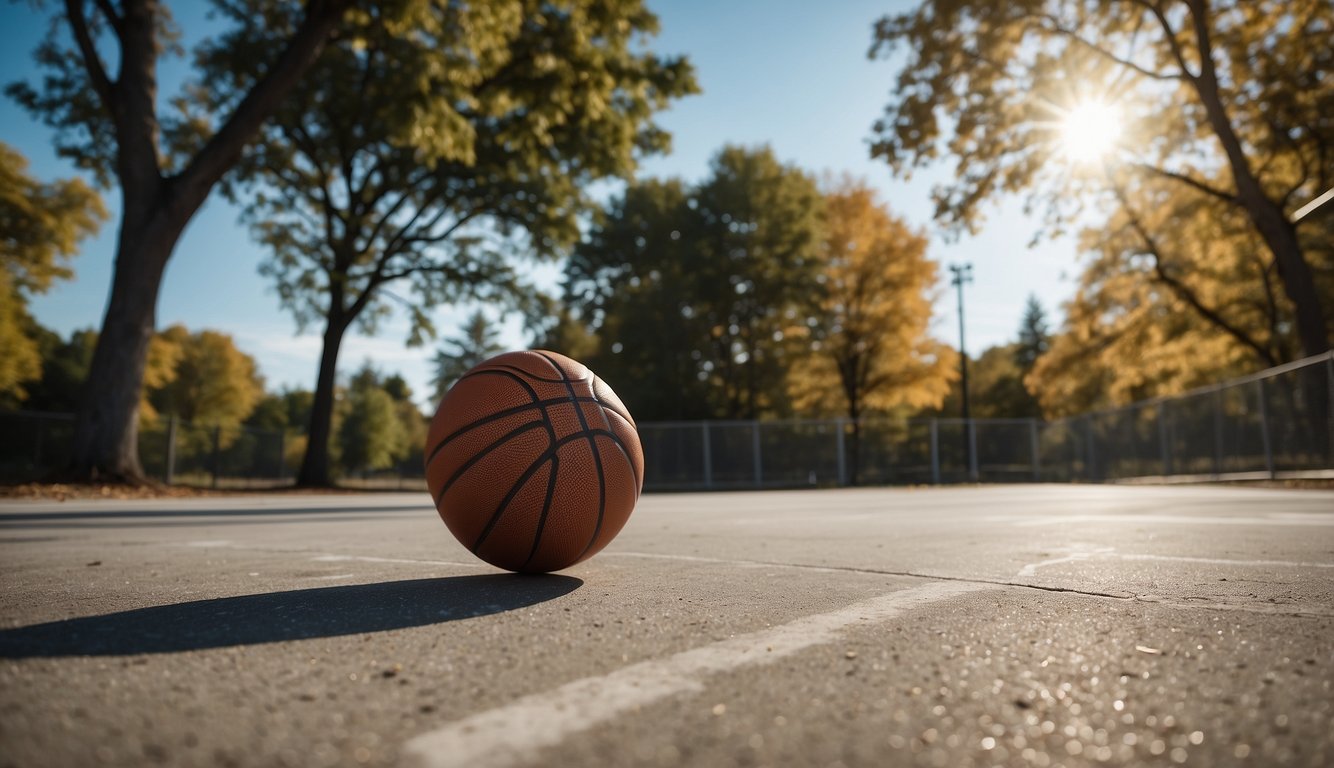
(516, 733)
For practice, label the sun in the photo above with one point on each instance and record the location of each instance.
(1089, 131)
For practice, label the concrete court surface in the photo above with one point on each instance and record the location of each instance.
(1014, 625)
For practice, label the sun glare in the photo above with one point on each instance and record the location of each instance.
(1089, 131)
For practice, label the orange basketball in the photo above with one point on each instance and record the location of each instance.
(534, 463)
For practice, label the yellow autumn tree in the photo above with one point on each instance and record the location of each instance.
(865, 341)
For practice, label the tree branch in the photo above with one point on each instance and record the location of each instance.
(1057, 28)
(109, 11)
(222, 150)
(1194, 183)
(1177, 52)
(1183, 291)
(97, 72)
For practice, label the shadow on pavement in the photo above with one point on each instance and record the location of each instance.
(279, 616)
(121, 514)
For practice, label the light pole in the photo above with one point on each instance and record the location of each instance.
(963, 273)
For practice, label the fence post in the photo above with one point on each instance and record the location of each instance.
(935, 452)
(1164, 453)
(755, 450)
(972, 451)
(1264, 428)
(217, 454)
(708, 455)
(1218, 432)
(1033, 446)
(169, 471)
(839, 430)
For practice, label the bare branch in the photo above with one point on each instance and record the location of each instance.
(1170, 35)
(109, 11)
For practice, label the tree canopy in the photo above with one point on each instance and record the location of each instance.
(41, 226)
(1223, 103)
(689, 288)
(459, 354)
(865, 336)
(491, 120)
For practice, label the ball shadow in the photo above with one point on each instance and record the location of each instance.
(276, 617)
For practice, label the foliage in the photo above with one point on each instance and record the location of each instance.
(1226, 102)
(491, 119)
(109, 122)
(688, 289)
(373, 432)
(866, 333)
(1034, 335)
(459, 354)
(209, 382)
(40, 229)
(64, 365)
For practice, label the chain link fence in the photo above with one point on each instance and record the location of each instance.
(1276, 424)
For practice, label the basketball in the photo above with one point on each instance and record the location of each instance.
(534, 462)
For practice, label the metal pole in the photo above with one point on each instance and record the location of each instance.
(972, 451)
(935, 452)
(1033, 446)
(963, 273)
(708, 455)
(1264, 428)
(282, 454)
(169, 472)
(755, 450)
(839, 430)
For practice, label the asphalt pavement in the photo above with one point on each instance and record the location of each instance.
(1005, 625)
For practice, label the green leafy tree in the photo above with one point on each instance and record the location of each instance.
(459, 354)
(633, 303)
(370, 434)
(40, 229)
(64, 369)
(491, 119)
(110, 123)
(1225, 101)
(689, 289)
(1034, 336)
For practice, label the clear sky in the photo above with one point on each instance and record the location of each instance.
(788, 73)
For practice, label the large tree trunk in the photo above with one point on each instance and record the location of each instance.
(315, 466)
(1278, 233)
(106, 430)
(156, 210)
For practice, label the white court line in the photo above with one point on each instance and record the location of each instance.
(517, 732)
(1283, 519)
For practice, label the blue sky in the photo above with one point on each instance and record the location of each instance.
(789, 73)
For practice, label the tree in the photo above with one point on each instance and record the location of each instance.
(632, 298)
(491, 119)
(460, 354)
(866, 333)
(64, 369)
(1034, 336)
(40, 229)
(1227, 100)
(371, 434)
(110, 125)
(689, 289)
(211, 383)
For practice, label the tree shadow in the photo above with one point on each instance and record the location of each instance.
(275, 617)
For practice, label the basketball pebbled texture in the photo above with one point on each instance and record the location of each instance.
(533, 462)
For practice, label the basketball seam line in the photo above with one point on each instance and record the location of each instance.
(516, 369)
(546, 507)
(603, 409)
(546, 456)
(483, 454)
(498, 415)
(518, 484)
(593, 448)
